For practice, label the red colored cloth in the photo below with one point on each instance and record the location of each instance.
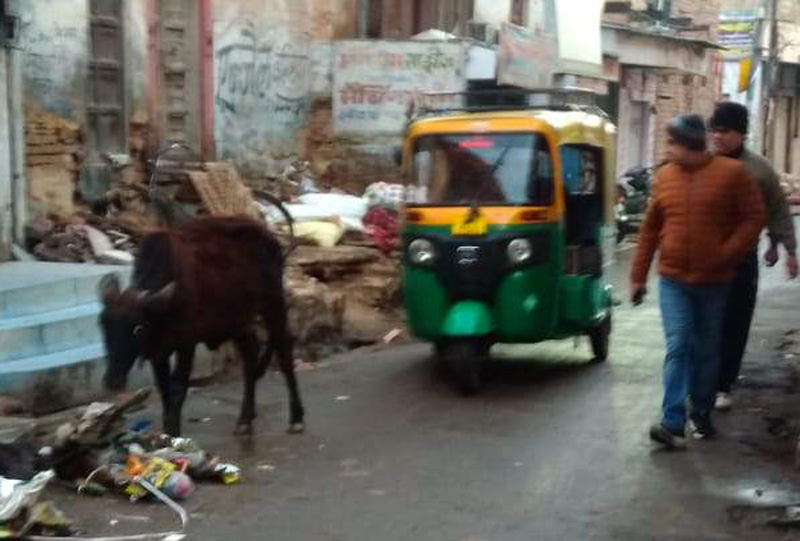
(384, 225)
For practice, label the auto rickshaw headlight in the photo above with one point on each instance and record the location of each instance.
(519, 251)
(421, 252)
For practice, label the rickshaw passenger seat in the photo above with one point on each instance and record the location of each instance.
(583, 255)
(582, 219)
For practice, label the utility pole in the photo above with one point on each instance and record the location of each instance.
(772, 79)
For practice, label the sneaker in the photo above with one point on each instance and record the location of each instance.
(724, 402)
(659, 433)
(701, 427)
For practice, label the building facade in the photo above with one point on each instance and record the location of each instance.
(770, 42)
(107, 83)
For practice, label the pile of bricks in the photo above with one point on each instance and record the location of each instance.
(53, 158)
(51, 140)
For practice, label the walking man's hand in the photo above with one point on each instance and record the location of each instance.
(771, 256)
(791, 266)
(638, 292)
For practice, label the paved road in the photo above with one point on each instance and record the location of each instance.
(555, 449)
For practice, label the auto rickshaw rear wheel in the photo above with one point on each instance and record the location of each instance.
(600, 337)
(464, 361)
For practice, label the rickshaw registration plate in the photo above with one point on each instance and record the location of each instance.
(474, 227)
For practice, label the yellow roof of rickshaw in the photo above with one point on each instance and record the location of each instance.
(567, 127)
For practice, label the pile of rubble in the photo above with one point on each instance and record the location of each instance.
(342, 277)
(78, 241)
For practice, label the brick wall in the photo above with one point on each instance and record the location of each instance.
(334, 19)
(705, 13)
(678, 94)
(681, 95)
(53, 156)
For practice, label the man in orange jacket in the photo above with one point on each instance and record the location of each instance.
(704, 218)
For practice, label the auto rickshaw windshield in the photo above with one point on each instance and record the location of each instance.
(486, 169)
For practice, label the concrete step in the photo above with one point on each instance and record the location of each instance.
(60, 380)
(51, 351)
(49, 332)
(33, 287)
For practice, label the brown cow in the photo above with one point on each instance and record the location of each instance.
(208, 281)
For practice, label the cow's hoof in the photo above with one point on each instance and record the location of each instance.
(296, 428)
(243, 429)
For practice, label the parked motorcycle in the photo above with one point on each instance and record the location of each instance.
(633, 196)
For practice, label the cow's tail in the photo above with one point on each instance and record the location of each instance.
(277, 203)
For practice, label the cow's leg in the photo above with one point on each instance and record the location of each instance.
(161, 374)
(281, 339)
(179, 386)
(247, 344)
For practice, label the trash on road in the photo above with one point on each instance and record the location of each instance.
(17, 495)
(21, 512)
(392, 335)
(95, 452)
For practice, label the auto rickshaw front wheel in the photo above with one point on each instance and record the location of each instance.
(464, 360)
(600, 337)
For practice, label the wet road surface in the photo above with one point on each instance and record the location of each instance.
(556, 448)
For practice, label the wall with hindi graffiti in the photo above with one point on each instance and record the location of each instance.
(374, 82)
(262, 82)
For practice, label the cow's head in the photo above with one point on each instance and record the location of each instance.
(126, 320)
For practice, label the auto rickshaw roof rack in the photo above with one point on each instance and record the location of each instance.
(552, 99)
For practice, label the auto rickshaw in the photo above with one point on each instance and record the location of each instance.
(508, 227)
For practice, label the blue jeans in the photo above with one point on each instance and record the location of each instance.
(692, 318)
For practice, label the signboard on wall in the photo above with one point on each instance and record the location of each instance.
(738, 33)
(579, 38)
(527, 57)
(374, 82)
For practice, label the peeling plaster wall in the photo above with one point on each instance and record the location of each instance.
(55, 41)
(334, 19)
(262, 82)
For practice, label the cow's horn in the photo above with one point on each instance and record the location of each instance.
(161, 298)
(109, 287)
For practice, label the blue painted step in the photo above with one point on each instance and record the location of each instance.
(51, 351)
(49, 332)
(33, 288)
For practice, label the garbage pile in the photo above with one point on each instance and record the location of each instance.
(96, 454)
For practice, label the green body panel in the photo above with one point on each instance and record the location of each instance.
(468, 318)
(426, 302)
(531, 304)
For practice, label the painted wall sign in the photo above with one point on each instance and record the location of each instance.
(737, 33)
(527, 58)
(374, 82)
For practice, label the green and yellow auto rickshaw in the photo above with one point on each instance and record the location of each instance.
(508, 228)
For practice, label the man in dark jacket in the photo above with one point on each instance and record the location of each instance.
(729, 125)
(704, 218)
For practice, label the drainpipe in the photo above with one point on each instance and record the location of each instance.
(19, 207)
